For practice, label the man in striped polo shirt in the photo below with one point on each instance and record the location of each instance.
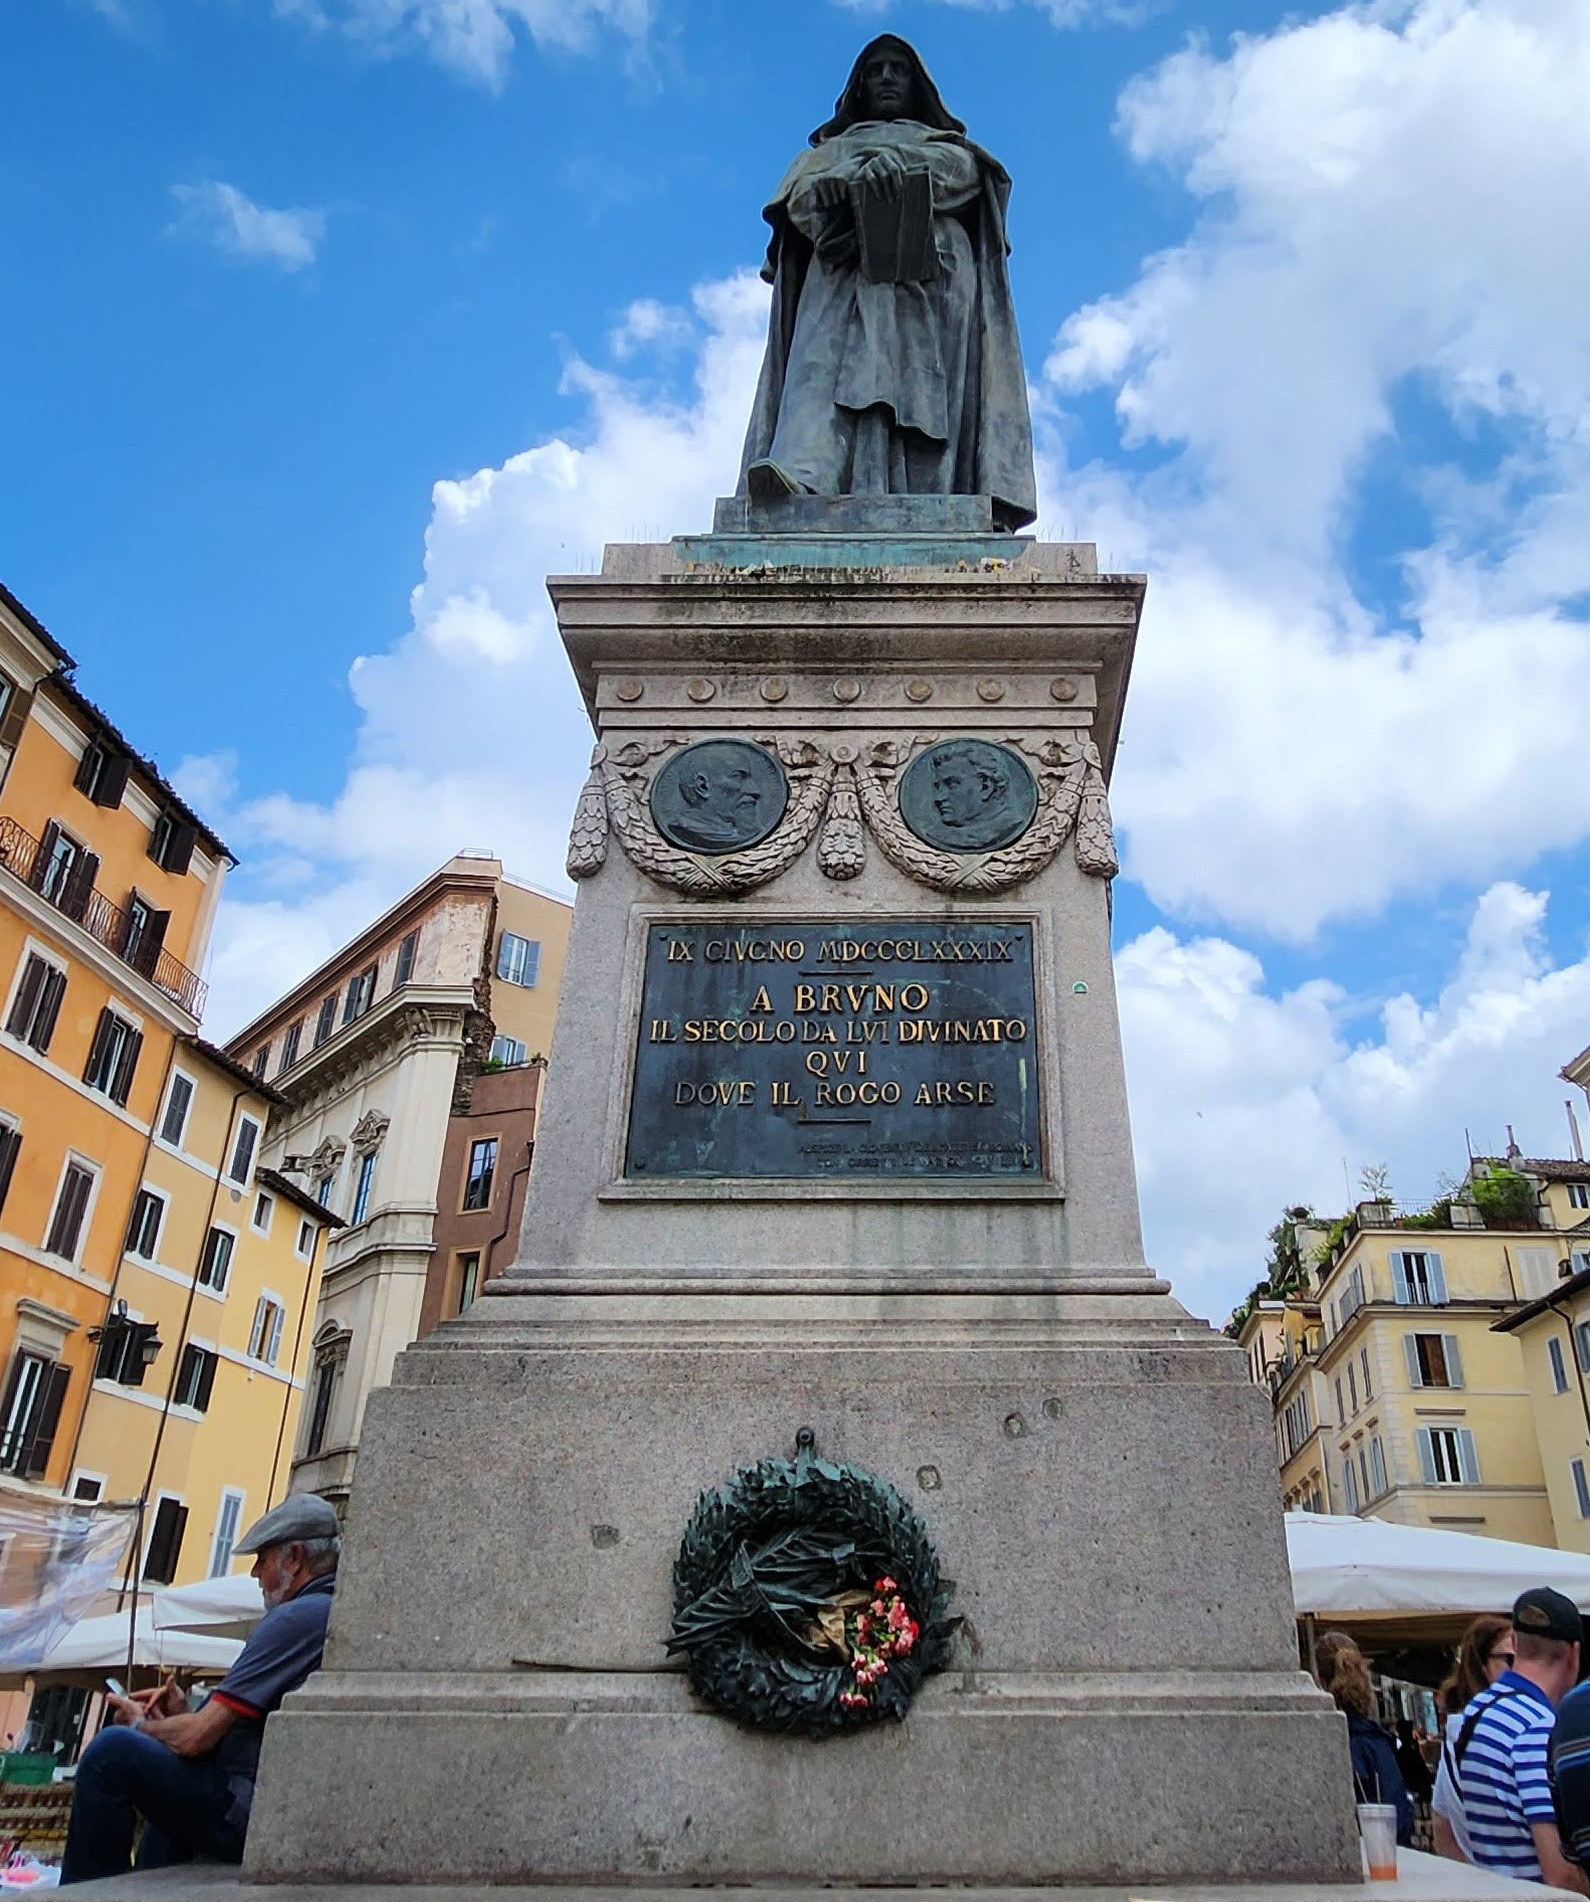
(1502, 1746)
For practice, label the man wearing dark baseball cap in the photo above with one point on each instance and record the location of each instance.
(1503, 1746)
(190, 1774)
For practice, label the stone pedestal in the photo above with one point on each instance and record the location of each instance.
(950, 1292)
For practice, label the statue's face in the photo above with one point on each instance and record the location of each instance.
(887, 83)
(960, 792)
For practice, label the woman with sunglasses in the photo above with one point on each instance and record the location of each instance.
(1485, 1653)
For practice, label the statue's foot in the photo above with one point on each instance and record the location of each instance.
(767, 482)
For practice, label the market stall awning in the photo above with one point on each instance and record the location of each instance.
(230, 1605)
(1365, 1571)
(98, 1646)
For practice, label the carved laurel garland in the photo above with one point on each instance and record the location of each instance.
(701, 875)
(841, 791)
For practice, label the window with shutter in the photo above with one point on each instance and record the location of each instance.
(1579, 1195)
(404, 969)
(326, 1020)
(265, 1337)
(361, 992)
(165, 1540)
(27, 1381)
(226, 1524)
(1535, 1271)
(1350, 1482)
(71, 1205)
(290, 1045)
(1581, 1342)
(113, 1057)
(1399, 1278)
(171, 843)
(1454, 1360)
(14, 707)
(243, 1150)
(79, 888)
(215, 1262)
(518, 960)
(1363, 1361)
(195, 1377)
(1581, 1488)
(10, 1148)
(52, 867)
(1377, 1467)
(179, 1100)
(143, 1231)
(1559, 1365)
(102, 774)
(36, 1458)
(37, 1003)
(1433, 1360)
(1447, 1457)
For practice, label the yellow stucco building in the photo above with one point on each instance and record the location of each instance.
(156, 1287)
(1553, 1334)
(1394, 1362)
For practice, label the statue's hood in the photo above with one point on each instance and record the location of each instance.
(850, 110)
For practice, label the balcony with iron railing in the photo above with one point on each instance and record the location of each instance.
(121, 932)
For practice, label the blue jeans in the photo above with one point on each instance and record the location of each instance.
(184, 1803)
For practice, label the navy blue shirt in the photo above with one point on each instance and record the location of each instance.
(286, 1646)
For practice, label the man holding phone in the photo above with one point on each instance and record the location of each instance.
(190, 1774)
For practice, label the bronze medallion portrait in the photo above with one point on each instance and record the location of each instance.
(719, 796)
(968, 796)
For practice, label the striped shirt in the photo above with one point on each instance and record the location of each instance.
(1503, 1775)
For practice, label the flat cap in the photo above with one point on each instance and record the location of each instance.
(299, 1516)
(1544, 1613)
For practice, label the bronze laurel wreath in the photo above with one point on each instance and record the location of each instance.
(763, 1556)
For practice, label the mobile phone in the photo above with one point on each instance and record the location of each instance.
(115, 1686)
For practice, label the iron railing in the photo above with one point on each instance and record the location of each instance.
(106, 923)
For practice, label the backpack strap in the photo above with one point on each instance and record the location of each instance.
(1465, 1736)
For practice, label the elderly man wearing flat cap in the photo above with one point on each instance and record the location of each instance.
(190, 1774)
(1502, 1748)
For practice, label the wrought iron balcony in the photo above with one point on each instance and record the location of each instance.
(119, 931)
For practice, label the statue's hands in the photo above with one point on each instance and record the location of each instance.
(885, 172)
(828, 191)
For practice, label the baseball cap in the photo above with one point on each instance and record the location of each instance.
(300, 1516)
(1544, 1613)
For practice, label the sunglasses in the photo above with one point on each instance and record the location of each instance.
(1500, 1657)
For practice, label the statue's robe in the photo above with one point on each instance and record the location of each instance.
(894, 388)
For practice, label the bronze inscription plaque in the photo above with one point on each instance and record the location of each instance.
(815, 1048)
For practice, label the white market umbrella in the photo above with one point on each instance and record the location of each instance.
(100, 1645)
(1345, 1567)
(230, 1606)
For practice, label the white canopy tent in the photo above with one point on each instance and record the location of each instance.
(98, 1647)
(1369, 1571)
(231, 1606)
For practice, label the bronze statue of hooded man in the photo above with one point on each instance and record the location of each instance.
(893, 365)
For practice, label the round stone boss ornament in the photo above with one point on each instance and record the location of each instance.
(807, 1597)
(718, 796)
(968, 795)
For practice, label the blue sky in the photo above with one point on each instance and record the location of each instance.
(332, 326)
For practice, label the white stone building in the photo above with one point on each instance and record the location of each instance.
(371, 1052)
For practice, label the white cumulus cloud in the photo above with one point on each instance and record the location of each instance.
(475, 38)
(230, 220)
(1245, 1101)
(1384, 283)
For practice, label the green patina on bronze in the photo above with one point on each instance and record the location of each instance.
(765, 1556)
